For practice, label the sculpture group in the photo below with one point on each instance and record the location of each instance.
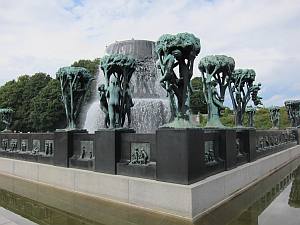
(6, 117)
(115, 95)
(74, 83)
(293, 108)
(216, 71)
(176, 55)
(274, 116)
(177, 51)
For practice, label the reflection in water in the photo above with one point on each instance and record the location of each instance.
(294, 200)
(248, 207)
(47, 205)
(285, 208)
(39, 212)
(279, 212)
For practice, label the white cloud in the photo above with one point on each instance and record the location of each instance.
(261, 34)
(279, 100)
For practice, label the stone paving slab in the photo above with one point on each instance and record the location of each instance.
(9, 218)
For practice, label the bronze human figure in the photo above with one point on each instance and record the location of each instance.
(177, 52)
(117, 101)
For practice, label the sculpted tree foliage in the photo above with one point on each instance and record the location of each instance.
(255, 98)
(242, 89)
(74, 83)
(274, 116)
(91, 95)
(293, 108)
(216, 71)
(177, 52)
(115, 96)
(6, 117)
(93, 67)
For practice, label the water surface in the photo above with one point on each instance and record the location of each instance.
(274, 200)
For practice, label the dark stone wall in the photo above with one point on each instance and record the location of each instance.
(182, 156)
(128, 138)
(79, 159)
(78, 138)
(28, 153)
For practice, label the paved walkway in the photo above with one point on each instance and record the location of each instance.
(10, 218)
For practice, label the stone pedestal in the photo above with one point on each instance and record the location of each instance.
(228, 147)
(63, 146)
(297, 134)
(248, 137)
(108, 149)
(144, 171)
(180, 155)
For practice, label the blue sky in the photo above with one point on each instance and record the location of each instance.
(264, 35)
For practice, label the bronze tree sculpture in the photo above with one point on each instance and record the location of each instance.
(274, 116)
(216, 72)
(6, 117)
(115, 96)
(177, 52)
(74, 82)
(242, 89)
(293, 108)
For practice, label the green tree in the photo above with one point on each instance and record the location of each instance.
(90, 65)
(197, 99)
(18, 96)
(227, 118)
(47, 111)
(262, 119)
(284, 120)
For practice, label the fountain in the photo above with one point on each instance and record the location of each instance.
(151, 106)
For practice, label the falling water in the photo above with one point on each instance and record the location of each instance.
(151, 107)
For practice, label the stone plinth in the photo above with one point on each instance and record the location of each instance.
(63, 148)
(108, 149)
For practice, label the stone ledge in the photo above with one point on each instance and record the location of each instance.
(188, 201)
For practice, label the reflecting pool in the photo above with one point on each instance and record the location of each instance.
(274, 200)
